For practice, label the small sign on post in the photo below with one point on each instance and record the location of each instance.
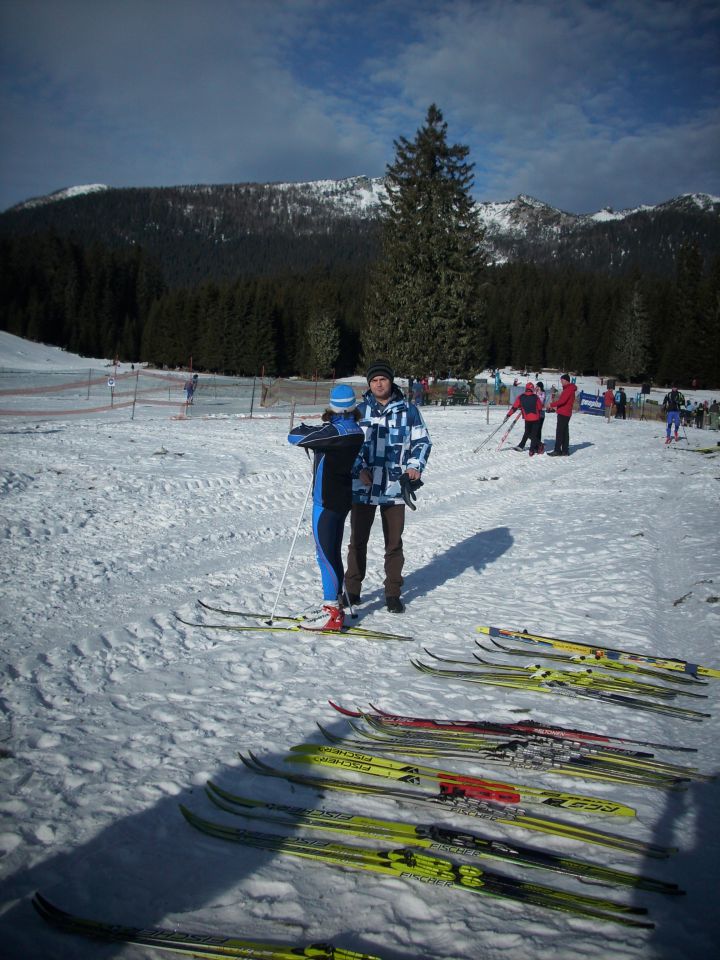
(111, 384)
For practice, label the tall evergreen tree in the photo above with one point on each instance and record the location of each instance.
(632, 337)
(711, 312)
(423, 309)
(684, 354)
(323, 342)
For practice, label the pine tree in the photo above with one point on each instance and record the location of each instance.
(632, 337)
(685, 347)
(710, 304)
(323, 342)
(423, 309)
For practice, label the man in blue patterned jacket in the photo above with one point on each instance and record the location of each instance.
(396, 444)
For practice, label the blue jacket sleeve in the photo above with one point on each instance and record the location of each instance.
(325, 436)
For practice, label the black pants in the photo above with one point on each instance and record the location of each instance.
(362, 516)
(532, 428)
(562, 434)
(526, 433)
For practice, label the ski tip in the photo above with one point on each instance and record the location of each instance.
(344, 711)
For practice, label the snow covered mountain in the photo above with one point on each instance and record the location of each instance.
(322, 222)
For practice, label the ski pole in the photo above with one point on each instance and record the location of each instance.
(489, 437)
(507, 432)
(348, 604)
(292, 546)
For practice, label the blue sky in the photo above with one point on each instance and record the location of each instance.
(580, 103)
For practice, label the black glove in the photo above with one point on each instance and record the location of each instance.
(408, 488)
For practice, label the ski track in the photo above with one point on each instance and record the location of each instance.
(118, 711)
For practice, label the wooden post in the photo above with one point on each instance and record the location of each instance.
(137, 378)
(252, 398)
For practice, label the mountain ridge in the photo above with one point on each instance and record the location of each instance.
(214, 231)
(374, 191)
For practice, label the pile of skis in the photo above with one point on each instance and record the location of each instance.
(638, 681)
(540, 747)
(437, 853)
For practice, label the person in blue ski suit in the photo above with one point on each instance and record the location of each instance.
(397, 445)
(335, 443)
(673, 404)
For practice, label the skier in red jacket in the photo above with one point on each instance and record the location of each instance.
(530, 406)
(564, 407)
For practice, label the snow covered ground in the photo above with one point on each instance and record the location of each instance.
(113, 712)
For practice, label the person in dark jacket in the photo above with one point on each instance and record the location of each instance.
(563, 405)
(530, 406)
(335, 443)
(620, 404)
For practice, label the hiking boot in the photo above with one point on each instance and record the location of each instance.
(351, 598)
(519, 448)
(394, 604)
(532, 453)
(329, 617)
(541, 448)
(554, 453)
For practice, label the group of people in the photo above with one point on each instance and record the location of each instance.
(679, 412)
(418, 390)
(370, 454)
(366, 455)
(698, 413)
(618, 399)
(531, 405)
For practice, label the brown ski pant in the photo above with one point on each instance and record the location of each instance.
(362, 516)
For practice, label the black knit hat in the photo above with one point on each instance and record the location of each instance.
(380, 368)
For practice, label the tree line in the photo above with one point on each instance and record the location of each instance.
(100, 302)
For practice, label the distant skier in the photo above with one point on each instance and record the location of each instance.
(190, 387)
(539, 392)
(530, 406)
(673, 404)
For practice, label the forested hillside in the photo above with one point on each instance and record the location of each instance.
(244, 278)
(212, 233)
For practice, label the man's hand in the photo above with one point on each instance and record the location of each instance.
(408, 486)
(413, 474)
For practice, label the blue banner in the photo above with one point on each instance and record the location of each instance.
(590, 403)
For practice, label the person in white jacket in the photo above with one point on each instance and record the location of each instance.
(387, 472)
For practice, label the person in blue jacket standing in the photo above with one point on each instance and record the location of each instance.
(673, 405)
(335, 443)
(386, 473)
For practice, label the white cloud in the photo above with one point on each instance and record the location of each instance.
(566, 100)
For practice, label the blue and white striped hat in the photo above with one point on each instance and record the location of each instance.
(342, 398)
